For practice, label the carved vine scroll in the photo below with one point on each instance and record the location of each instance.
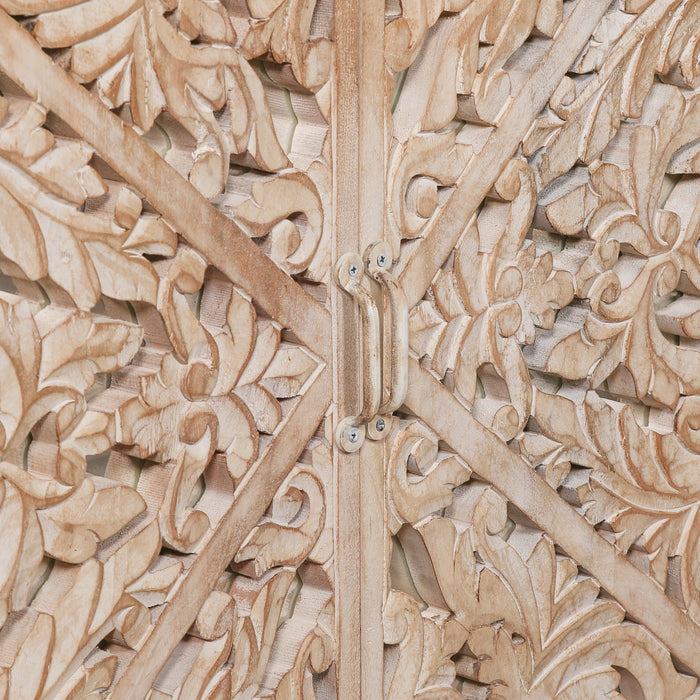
(542, 195)
(166, 495)
(168, 500)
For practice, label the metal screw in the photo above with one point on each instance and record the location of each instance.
(381, 424)
(353, 270)
(381, 260)
(353, 435)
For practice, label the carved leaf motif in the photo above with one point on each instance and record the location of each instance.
(261, 605)
(418, 169)
(62, 168)
(93, 679)
(488, 302)
(581, 125)
(564, 624)
(274, 209)
(49, 360)
(531, 626)
(288, 371)
(423, 668)
(624, 330)
(73, 528)
(283, 29)
(94, 596)
(419, 483)
(449, 77)
(204, 680)
(643, 483)
(139, 57)
(50, 379)
(44, 236)
(298, 514)
(314, 656)
(659, 368)
(79, 346)
(22, 549)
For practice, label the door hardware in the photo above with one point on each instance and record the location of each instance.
(379, 259)
(374, 420)
(349, 274)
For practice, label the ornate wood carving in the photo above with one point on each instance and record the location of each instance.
(175, 518)
(167, 488)
(542, 195)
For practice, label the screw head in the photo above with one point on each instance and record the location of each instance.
(353, 269)
(353, 435)
(381, 260)
(380, 425)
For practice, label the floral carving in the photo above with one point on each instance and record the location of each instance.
(582, 123)
(45, 232)
(138, 57)
(562, 312)
(622, 330)
(282, 29)
(486, 305)
(643, 484)
(506, 615)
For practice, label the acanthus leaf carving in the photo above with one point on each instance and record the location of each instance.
(415, 454)
(642, 482)
(442, 55)
(139, 57)
(274, 211)
(582, 123)
(42, 236)
(296, 521)
(282, 29)
(487, 303)
(72, 529)
(94, 595)
(622, 328)
(530, 625)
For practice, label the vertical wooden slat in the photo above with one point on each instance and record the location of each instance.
(358, 163)
(371, 220)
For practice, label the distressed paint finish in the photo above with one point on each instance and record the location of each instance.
(167, 484)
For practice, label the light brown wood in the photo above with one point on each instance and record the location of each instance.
(548, 239)
(224, 384)
(180, 516)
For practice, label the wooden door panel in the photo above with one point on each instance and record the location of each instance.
(176, 181)
(168, 483)
(539, 482)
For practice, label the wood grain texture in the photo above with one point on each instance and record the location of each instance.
(222, 242)
(178, 179)
(543, 206)
(167, 490)
(488, 457)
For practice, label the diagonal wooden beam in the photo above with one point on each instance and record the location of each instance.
(223, 243)
(491, 458)
(483, 169)
(250, 502)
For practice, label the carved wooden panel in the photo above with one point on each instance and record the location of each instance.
(167, 490)
(542, 488)
(177, 182)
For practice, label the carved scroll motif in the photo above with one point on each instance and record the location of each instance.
(181, 74)
(146, 390)
(563, 319)
(266, 630)
(140, 384)
(482, 605)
